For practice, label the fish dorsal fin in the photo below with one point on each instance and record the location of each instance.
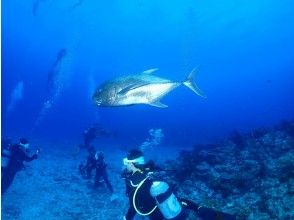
(150, 71)
(158, 104)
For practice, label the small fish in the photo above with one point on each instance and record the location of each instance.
(141, 88)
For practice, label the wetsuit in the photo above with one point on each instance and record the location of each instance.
(102, 173)
(15, 164)
(86, 170)
(91, 133)
(143, 200)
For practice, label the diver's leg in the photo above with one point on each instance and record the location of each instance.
(6, 181)
(97, 178)
(89, 169)
(108, 184)
(204, 212)
(211, 214)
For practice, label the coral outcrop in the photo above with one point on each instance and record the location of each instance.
(250, 175)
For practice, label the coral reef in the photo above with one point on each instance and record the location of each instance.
(250, 175)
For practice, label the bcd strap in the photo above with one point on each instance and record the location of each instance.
(164, 196)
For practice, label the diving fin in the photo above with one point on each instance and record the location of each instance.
(192, 85)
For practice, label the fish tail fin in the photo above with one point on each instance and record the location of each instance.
(189, 82)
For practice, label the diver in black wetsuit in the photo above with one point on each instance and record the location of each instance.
(101, 171)
(91, 133)
(95, 161)
(18, 155)
(54, 70)
(155, 198)
(138, 188)
(86, 170)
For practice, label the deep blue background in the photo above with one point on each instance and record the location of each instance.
(245, 51)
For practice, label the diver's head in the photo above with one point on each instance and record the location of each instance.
(134, 160)
(24, 143)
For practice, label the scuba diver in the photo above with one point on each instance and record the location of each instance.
(155, 199)
(86, 170)
(55, 71)
(101, 171)
(56, 77)
(91, 133)
(95, 161)
(18, 155)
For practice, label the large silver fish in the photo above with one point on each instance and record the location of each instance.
(141, 88)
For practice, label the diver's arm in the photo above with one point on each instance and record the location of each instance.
(28, 158)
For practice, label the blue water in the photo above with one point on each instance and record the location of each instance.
(244, 50)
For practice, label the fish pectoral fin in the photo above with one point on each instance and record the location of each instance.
(158, 104)
(128, 88)
(150, 71)
(131, 87)
(123, 91)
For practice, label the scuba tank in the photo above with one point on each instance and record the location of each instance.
(166, 201)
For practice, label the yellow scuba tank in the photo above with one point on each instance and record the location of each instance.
(166, 201)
